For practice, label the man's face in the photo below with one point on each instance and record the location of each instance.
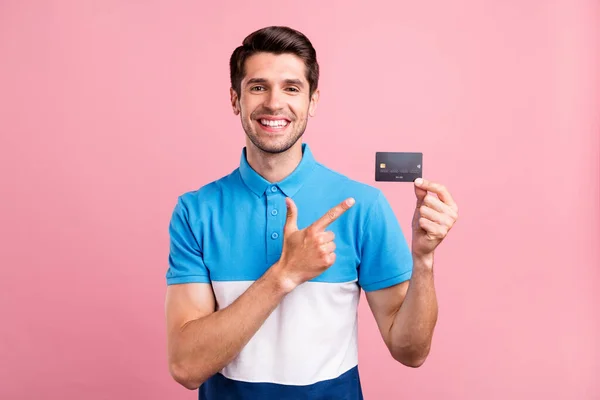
(274, 102)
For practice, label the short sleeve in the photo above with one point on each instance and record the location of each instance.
(185, 256)
(386, 259)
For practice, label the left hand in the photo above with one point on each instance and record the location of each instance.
(433, 218)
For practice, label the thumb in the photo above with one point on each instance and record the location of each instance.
(420, 194)
(291, 222)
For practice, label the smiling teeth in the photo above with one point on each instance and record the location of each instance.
(274, 123)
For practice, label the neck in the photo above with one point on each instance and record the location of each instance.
(274, 167)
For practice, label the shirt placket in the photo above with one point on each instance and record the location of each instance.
(275, 223)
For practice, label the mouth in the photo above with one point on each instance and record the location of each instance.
(273, 125)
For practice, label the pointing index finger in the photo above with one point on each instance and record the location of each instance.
(333, 214)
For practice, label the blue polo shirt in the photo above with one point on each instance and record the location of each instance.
(229, 232)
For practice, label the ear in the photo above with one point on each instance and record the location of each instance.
(235, 104)
(314, 100)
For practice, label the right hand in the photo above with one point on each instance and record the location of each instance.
(308, 252)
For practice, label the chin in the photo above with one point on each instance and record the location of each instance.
(273, 145)
(274, 148)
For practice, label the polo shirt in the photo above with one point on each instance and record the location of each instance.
(229, 232)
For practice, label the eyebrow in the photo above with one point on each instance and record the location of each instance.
(297, 82)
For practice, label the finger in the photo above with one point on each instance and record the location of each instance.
(333, 214)
(325, 237)
(438, 189)
(328, 247)
(420, 193)
(433, 230)
(436, 204)
(331, 258)
(435, 216)
(291, 221)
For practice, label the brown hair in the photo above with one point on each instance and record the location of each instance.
(276, 40)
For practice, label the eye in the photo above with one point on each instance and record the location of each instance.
(255, 88)
(293, 89)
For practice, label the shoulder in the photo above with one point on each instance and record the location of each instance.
(366, 195)
(205, 197)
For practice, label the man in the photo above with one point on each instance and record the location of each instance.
(266, 264)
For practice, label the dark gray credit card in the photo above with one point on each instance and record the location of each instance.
(398, 166)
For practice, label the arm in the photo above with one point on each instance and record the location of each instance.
(201, 341)
(406, 315)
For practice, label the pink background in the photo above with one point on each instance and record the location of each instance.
(109, 110)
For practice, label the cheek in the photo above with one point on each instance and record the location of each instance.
(247, 114)
(247, 107)
(301, 109)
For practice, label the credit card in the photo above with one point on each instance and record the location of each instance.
(398, 166)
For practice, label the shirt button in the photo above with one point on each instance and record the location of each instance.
(274, 212)
(273, 188)
(274, 235)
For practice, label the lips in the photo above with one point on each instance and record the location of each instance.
(272, 123)
(273, 127)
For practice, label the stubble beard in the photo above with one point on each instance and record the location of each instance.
(269, 146)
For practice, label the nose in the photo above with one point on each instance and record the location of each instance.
(273, 100)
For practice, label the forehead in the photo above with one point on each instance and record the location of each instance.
(274, 67)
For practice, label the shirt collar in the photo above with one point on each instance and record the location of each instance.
(289, 185)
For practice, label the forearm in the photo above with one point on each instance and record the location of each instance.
(206, 345)
(412, 330)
